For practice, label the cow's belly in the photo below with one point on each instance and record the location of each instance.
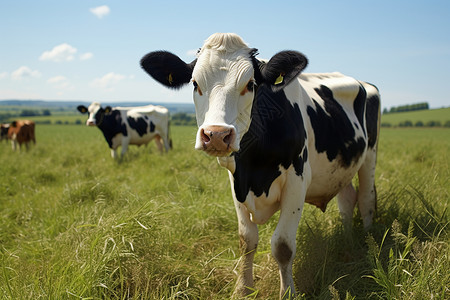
(136, 139)
(328, 179)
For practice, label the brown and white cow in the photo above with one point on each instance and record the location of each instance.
(285, 137)
(21, 132)
(123, 126)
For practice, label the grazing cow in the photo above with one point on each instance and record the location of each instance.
(123, 126)
(286, 138)
(4, 131)
(21, 132)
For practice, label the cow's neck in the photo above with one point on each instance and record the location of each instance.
(274, 141)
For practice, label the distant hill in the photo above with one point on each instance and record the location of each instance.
(69, 105)
(441, 115)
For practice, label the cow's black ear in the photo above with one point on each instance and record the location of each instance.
(282, 68)
(82, 109)
(167, 68)
(108, 109)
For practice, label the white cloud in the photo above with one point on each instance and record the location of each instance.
(86, 56)
(108, 81)
(3, 75)
(25, 72)
(100, 11)
(63, 52)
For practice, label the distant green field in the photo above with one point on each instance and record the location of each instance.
(75, 224)
(442, 115)
(60, 119)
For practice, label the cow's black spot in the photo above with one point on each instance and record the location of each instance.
(110, 124)
(333, 131)
(138, 124)
(359, 106)
(152, 126)
(276, 137)
(283, 253)
(373, 106)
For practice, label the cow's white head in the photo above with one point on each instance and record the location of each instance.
(96, 113)
(225, 76)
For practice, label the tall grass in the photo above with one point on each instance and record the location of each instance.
(76, 224)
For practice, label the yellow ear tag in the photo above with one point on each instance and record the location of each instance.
(279, 80)
(170, 78)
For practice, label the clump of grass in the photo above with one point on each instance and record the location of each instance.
(407, 268)
(94, 191)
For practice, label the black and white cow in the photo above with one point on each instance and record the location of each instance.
(286, 138)
(123, 126)
(4, 131)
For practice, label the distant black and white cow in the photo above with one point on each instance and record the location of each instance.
(4, 131)
(286, 138)
(123, 126)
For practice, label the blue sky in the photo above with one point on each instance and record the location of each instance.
(90, 50)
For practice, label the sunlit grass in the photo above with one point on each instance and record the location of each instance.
(77, 224)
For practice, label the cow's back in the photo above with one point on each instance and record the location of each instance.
(146, 123)
(343, 118)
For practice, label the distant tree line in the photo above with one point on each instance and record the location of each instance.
(408, 123)
(24, 113)
(33, 113)
(183, 119)
(407, 107)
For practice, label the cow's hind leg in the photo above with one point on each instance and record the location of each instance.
(159, 144)
(346, 203)
(367, 195)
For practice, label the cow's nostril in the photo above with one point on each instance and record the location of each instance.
(205, 136)
(228, 138)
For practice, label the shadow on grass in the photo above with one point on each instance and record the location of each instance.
(333, 263)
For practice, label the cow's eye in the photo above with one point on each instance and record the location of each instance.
(250, 85)
(197, 88)
(248, 88)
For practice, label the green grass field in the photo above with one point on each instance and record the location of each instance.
(75, 224)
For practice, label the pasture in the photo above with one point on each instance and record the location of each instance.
(76, 224)
(441, 115)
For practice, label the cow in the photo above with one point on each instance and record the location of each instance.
(123, 126)
(285, 137)
(4, 131)
(21, 132)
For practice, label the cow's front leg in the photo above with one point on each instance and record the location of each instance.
(125, 143)
(283, 240)
(113, 153)
(248, 242)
